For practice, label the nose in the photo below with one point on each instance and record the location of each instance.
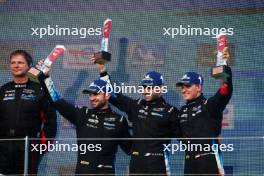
(14, 64)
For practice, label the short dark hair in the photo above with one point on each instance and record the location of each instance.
(25, 54)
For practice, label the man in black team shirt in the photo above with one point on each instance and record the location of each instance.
(24, 111)
(151, 117)
(202, 118)
(98, 122)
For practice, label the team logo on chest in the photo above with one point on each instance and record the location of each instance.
(93, 121)
(196, 110)
(110, 119)
(9, 95)
(109, 126)
(28, 94)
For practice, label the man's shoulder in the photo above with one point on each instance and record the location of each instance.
(84, 109)
(7, 85)
(140, 101)
(11, 84)
(114, 116)
(170, 108)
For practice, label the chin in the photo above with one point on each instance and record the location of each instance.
(186, 98)
(147, 98)
(94, 106)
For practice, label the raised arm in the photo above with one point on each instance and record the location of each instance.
(66, 109)
(219, 101)
(122, 102)
(49, 119)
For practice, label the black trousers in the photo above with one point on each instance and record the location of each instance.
(147, 165)
(203, 165)
(12, 158)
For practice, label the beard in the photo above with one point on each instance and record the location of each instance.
(99, 104)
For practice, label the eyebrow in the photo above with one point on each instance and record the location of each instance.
(17, 61)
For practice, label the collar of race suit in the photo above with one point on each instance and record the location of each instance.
(198, 99)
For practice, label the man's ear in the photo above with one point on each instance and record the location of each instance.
(161, 88)
(200, 87)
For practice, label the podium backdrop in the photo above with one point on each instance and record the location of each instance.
(171, 37)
